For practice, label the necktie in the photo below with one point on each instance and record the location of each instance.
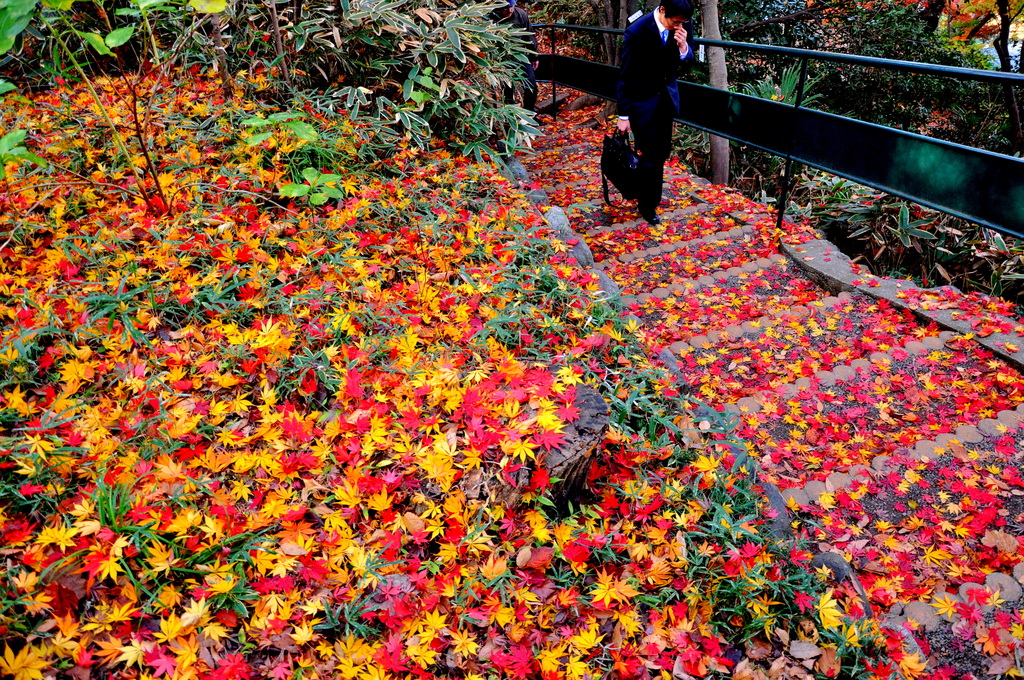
(664, 36)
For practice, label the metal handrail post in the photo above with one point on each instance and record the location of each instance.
(787, 172)
(554, 90)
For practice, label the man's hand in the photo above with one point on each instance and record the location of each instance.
(680, 35)
(623, 125)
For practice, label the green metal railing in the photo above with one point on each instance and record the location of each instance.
(977, 185)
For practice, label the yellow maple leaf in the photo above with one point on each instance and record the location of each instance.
(161, 558)
(379, 501)
(945, 605)
(25, 665)
(562, 534)
(706, 464)
(435, 620)
(852, 636)
(828, 610)
(132, 653)
(912, 665)
(586, 639)
(493, 568)
(935, 555)
(225, 380)
(304, 632)
(170, 628)
(523, 450)
(610, 590)
(464, 643)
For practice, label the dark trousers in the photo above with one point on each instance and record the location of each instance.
(529, 89)
(653, 144)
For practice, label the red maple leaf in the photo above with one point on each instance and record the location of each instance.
(162, 664)
(549, 439)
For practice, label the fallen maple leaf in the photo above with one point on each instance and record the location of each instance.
(1001, 541)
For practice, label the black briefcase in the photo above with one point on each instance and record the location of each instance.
(618, 165)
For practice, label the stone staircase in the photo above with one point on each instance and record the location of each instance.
(890, 417)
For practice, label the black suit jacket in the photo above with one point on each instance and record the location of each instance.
(647, 73)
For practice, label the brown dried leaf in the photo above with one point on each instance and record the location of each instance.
(783, 636)
(800, 649)
(413, 522)
(742, 671)
(959, 452)
(828, 663)
(293, 549)
(806, 630)
(758, 648)
(1001, 541)
(1000, 665)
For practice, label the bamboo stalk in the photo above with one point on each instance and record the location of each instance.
(226, 82)
(278, 42)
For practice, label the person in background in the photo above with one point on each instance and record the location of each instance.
(516, 16)
(654, 47)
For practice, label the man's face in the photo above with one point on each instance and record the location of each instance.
(671, 23)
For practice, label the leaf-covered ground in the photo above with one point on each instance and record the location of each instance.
(897, 444)
(249, 437)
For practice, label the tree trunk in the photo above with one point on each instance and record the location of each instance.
(932, 12)
(275, 26)
(569, 463)
(1002, 47)
(613, 14)
(720, 80)
(226, 83)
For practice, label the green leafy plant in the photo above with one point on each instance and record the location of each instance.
(319, 187)
(288, 121)
(785, 88)
(11, 151)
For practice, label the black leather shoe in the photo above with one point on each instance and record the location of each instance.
(652, 219)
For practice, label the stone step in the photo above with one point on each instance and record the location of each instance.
(678, 224)
(796, 344)
(581, 173)
(988, 318)
(942, 514)
(562, 173)
(737, 236)
(710, 303)
(887, 432)
(945, 616)
(559, 133)
(661, 266)
(692, 221)
(545, 158)
(882, 405)
(588, 189)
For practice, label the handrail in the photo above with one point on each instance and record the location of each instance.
(837, 57)
(977, 185)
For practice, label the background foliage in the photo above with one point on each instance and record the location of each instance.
(414, 70)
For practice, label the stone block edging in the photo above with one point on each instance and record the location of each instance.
(667, 248)
(827, 266)
(705, 280)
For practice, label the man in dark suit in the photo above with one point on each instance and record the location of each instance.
(655, 46)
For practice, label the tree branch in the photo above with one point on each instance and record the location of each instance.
(980, 25)
(803, 15)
